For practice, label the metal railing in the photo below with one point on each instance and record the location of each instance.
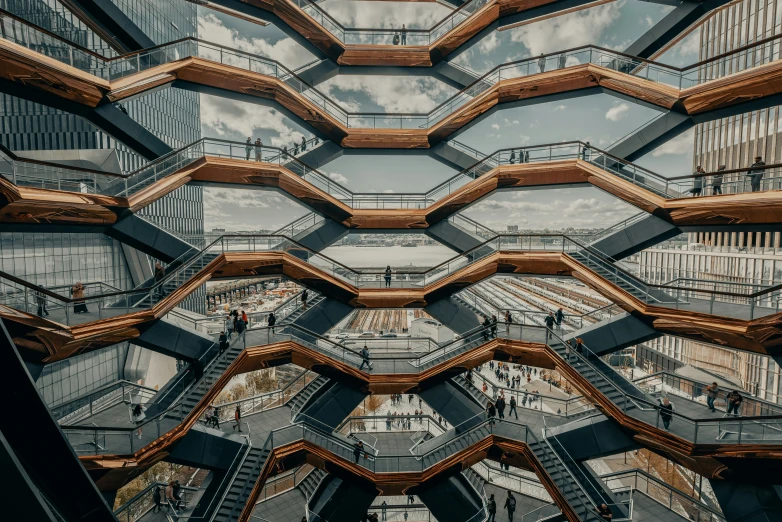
(102, 399)
(142, 503)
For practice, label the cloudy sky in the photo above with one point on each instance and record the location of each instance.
(600, 119)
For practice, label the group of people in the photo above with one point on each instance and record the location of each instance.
(733, 402)
(400, 37)
(754, 176)
(237, 322)
(257, 148)
(510, 506)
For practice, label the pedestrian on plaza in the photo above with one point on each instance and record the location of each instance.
(410, 499)
(304, 296)
(387, 276)
(223, 341)
(238, 419)
(404, 35)
(492, 509)
(383, 508)
(248, 148)
(271, 321)
(666, 412)
(512, 410)
(365, 358)
(605, 512)
(712, 391)
(716, 181)
(549, 320)
(542, 63)
(258, 149)
(510, 505)
(410, 398)
(755, 173)
(734, 400)
(421, 404)
(560, 315)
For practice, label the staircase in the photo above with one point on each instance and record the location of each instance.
(623, 280)
(565, 482)
(241, 485)
(297, 402)
(293, 316)
(173, 283)
(463, 441)
(311, 482)
(471, 390)
(476, 480)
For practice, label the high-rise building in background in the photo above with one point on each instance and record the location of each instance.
(57, 260)
(739, 257)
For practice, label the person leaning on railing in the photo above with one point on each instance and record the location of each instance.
(716, 181)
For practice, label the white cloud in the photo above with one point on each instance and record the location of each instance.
(383, 15)
(649, 21)
(682, 144)
(489, 43)
(392, 93)
(339, 178)
(691, 44)
(495, 126)
(222, 117)
(567, 31)
(560, 107)
(285, 51)
(617, 112)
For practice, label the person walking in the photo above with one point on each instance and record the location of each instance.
(271, 321)
(160, 274)
(510, 505)
(248, 148)
(605, 512)
(387, 276)
(358, 449)
(157, 498)
(383, 508)
(216, 417)
(177, 491)
(579, 347)
(404, 35)
(549, 320)
(137, 416)
(303, 145)
(223, 340)
(295, 149)
(410, 499)
(734, 400)
(666, 412)
(716, 181)
(40, 300)
(304, 296)
(258, 149)
(585, 152)
(542, 63)
(559, 316)
(508, 321)
(170, 500)
(697, 182)
(77, 292)
(365, 358)
(491, 411)
(755, 173)
(491, 507)
(712, 391)
(501, 407)
(238, 419)
(512, 410)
